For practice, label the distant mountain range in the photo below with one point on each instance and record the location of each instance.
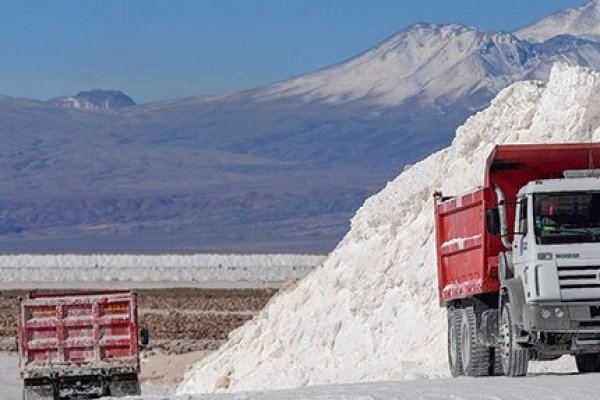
(276, 168)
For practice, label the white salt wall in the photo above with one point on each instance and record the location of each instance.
(155, 268)
(370, 312)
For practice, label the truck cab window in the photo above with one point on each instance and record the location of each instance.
(567, 217)
(523, 216)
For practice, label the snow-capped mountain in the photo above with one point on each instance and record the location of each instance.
(437, 64)
(96, 99)
(276, 168)
(582, 21)
(416, 62)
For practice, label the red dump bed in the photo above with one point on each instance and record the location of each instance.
(78, 334)
(467, 256)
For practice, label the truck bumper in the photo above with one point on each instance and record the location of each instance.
(580, 317)
(70, 371)
(92, 386)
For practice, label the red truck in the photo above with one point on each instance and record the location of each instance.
(518, 261)
(79, 345)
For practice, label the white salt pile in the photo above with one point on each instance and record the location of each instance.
(370, 312)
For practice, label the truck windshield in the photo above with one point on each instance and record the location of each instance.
(567, 217)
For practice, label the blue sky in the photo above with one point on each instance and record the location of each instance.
(157, 50)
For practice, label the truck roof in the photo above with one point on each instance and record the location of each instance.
(539, 161)
(562, 185)
(512, 166)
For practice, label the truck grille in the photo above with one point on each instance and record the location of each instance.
(579, 282)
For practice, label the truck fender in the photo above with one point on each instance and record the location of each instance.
(512, 291)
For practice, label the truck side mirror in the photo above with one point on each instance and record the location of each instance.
(144, 337)
(492, 221)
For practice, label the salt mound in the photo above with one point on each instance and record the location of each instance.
(370, 312)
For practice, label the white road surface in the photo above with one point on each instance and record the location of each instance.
(556, 380)
(558, 385)
(10, 383)
(547, 387)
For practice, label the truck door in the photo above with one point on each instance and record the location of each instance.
(522, 245)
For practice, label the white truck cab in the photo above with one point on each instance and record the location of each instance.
(554, 258)
(556, 244)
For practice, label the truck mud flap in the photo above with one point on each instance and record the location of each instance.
(122, 386)
(516, 296)
(489, 325)
(76, 388)
(38, 392)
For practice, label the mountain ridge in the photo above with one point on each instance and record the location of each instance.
(582, 21)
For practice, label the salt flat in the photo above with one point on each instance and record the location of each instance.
(10, 384)
(534, 387)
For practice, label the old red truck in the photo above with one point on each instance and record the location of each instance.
(518, 261)
(79, 344)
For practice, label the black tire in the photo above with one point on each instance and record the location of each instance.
(587, 363)
(514, 357)
(496, 364)
(475, 357)
(454, 346)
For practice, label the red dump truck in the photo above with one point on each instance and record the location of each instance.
(519, 261)
(79, 345)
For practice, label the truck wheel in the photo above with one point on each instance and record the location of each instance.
(587, 363)
(514, 357)
(475, 357)
(454, 357)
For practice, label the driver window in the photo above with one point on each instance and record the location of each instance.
(523, 216)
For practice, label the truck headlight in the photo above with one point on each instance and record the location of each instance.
(546, 313)
(559, 312)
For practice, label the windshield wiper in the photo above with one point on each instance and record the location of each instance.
(584, 231)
